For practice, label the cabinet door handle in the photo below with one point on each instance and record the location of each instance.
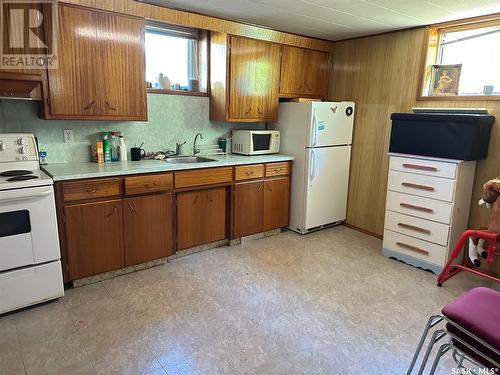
(196, 198)
(259, 111)
(413, 227)
(247, 112)
(260, 187)
(109, 106)
(418, 186)
(90, 105)
(115, 208)
(412, 248)
(132, 208)
(268, 188)
(420, 167)
(209, 199)
(417, 208)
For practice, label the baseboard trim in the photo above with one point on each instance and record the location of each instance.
(350, 226)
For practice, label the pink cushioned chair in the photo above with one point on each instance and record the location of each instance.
(471, 332)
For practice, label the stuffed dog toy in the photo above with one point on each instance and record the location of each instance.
(491, 191)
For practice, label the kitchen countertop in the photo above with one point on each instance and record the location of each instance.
(74, 171)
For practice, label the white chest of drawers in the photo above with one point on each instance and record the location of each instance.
(428, 201)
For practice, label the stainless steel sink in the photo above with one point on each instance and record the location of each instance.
(189, 159)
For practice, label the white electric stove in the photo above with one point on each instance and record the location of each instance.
(30, 267)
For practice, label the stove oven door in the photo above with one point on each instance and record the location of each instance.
(28, 227)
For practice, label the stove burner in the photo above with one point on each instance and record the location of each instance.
(15, 172)
(22, 178)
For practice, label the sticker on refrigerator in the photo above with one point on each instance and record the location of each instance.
(321, 125)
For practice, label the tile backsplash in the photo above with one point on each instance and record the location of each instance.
(172, 118)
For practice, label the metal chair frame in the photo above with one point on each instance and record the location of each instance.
(440, 334)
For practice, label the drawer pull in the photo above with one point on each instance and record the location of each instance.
(91, 191)
(149, 185)
(420, 167)
(412, 227)
(248, 173)
(412, 248)
(417, 208)
(418, 186)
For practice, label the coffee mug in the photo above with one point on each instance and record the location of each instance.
(137, 153)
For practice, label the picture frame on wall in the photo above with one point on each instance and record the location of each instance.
(445, 80)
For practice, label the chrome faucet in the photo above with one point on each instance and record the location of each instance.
(196, 150)
(178, 147)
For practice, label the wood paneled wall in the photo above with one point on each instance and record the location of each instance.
(199, 21)
(381, 73)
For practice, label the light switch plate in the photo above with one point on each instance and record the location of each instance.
(68, 135)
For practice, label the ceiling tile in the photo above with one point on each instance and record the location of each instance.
(337, 19)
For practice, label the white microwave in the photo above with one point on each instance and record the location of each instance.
(256, 142)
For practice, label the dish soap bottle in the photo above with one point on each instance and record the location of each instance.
(114, 146)
(122, 148)
(106, 147)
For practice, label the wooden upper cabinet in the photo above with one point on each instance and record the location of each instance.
(244, 79)
(18, 39)
(100, 73)
(253, 80)
(304, 72)
(121, 72)
(72, 91)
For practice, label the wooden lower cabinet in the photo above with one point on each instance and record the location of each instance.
(261, 206)
(247, 210)
(94, 237)
(214, 215)
(201, 217)
(276, 203)
(189, 219)
(148, 228)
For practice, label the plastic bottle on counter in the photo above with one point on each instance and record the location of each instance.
(106, 147)
(122, 148)
(114, 146)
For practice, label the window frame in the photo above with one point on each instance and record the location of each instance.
(430, 53)
(202, 38)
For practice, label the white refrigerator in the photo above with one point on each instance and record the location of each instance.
(319, 136)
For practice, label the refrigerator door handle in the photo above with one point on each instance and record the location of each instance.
(315, 129)
(312, 165)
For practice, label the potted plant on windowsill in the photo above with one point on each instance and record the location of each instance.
(164, 82)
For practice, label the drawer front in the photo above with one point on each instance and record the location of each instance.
(421, 185)
(148, 183)
(414, 247)
(412, 226)
(425, 167)
(424, 208)
(247, 172)
(203, 177)
(278, 169)
(89, 189)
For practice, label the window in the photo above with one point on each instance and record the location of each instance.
(173, 56)
(463, 61)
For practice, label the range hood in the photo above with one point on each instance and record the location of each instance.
(20, 89)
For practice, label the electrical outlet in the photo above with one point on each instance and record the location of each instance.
(68, 135)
